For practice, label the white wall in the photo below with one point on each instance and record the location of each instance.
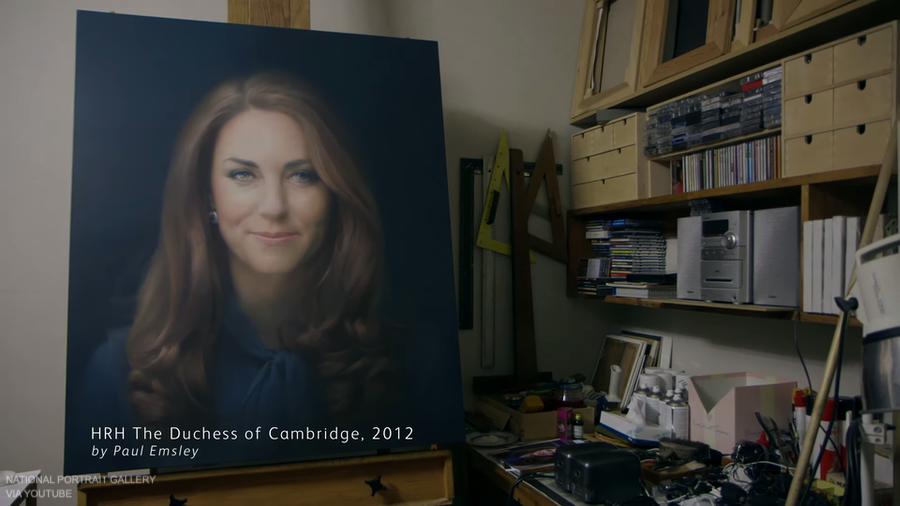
(364, 17)
(510, 64)
(707, 343)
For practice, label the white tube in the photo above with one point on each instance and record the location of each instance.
(866, 466)
(615, 380)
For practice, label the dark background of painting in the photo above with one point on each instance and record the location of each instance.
(137, 80)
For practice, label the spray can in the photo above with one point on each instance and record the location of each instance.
(682, 392)
(654, 401)
(680, 414)
(665, 418)
(640, 395)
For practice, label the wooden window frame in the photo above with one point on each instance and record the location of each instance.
(719, 30)
(590, 54)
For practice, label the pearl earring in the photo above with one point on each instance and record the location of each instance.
(213, 217)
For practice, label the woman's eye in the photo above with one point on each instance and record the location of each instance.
(240, 175)
(304, 176)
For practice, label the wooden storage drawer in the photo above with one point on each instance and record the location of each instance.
(861, 145)
(809, 154)
(808, 113)
(581, 145)
(808, 73)
(864, 56)
(605, 191)
(862, 101)
(625, 132)
(605, 165)
(654, 180)
(593, 141)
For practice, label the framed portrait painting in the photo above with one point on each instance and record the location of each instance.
(260, 255)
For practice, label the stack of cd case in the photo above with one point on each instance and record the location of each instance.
(701, 119)
(658, 131)
(761, 106)
(721, 116)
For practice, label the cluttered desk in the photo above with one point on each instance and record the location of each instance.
(678, 439)
(741, 449)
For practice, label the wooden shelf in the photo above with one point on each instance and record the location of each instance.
(713, 145)
(827, 319)
(751, 310)
(783, 313)
(834, 24)
(760, 189)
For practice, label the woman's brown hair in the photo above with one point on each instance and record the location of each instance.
(181, 301)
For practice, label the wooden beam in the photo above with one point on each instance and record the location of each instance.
(545, 173)
(276, 13)
(523, 302)
(300, 14)
(239, 11)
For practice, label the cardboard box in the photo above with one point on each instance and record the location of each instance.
(643, 435)
(723, 407)
(530, 426)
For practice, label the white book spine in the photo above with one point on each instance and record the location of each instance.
(817, 255)
(826, 266)
(853, 231)
(838, 236)
(807, 266)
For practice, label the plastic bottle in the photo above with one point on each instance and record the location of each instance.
(578, 427)
(665, 416)
(680, 414)
(654, 401)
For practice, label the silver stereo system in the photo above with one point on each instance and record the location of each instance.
(688, 280)
(726, 257)
(776, 257)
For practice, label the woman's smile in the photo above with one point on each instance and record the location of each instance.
(274, 238)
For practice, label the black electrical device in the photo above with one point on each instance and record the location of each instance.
(567, 456)
(607, 477)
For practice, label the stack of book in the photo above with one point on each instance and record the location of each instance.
(593, 276)
(636, 247)
(829, 254)
(593, 273)
(643, 290)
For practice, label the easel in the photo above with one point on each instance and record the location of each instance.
(523, 201)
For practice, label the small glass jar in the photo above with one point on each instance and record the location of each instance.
(568, 396)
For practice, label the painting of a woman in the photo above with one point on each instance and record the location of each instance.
(261, 303)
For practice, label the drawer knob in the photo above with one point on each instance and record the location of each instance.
(376, 485)
(807, 99)
(861, 85)
(808, 58)
(861, 129)
(861, 40)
